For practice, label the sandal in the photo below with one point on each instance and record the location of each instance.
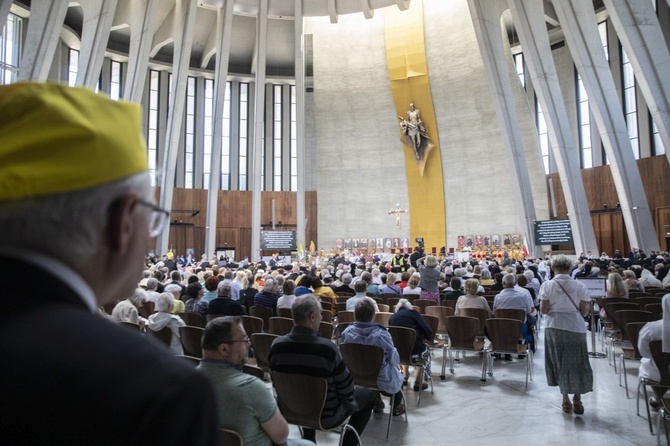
(424, 386)
(567, 407)
(579, 407)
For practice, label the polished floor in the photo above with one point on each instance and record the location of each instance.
(465, 411)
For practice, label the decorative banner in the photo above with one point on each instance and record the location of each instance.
(408, 75)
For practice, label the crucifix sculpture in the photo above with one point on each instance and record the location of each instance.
(397, 212)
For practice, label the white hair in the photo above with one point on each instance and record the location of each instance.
(164, 302)
(68, 225)
(173, 289)
(139, 297)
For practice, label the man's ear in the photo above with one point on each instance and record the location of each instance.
(121, 225)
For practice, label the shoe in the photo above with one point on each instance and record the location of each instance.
(654, 404)
(379, 405)
(579, 407)
(424, 386)
(567, 407)
(399, 410)
(404, 383)
(508, 357)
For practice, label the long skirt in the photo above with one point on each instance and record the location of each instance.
(431, 295)
(566, 361)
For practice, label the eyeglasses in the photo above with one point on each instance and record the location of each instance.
(246, 339)
(158, 218)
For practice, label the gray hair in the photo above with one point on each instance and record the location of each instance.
(346, 279)
(223, 289)
(165, 302)
(303, 306)
(70, 225)
(431, 261)
(174, 289)
(403, 303)
(366, 277)
(139, 297)
(486, 274)
(529, 275)
(509, 279)
(561, 264)
(364, 311)
(152, 284)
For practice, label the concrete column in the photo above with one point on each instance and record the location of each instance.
(268, 144)
(486, 21)
(224, 28)
(98, 17)
(141, 35)
(528, 16)
(300, 121)
(639, 31)
(199, 134)
(580, 27)
(44, 27)
(5, 6)
(256, 164)
(286, 138)
(185, 12)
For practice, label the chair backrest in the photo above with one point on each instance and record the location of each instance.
(449, 304)
(264, 313)
(613, 307)
(383, 318)
(300, 398)
(441, 313)
(386, 296)
(345, 316)
(364, 362)
(285, 312)
(481, 315)
(341, 326)
(433, 322)
(378, 300)
(341, 306)
(326, 305)
(131, 325)
(254, 371)
(192, 319)
(644, 300)
(423, 303)
(164, 335)
(146, 309)
(504, 334)
(509, 313)
(392, 302)
(403, 339)
(252, 324)
(280, 326)
(656, 311)
(189, 360)
(662, 361)
(633, 330)
(624, 317)
(261, 343)
(211, 316)
(229, 437)
(343, 296)
(191, 340)
(384, 308)
(462, 331)
(326, 316)
(326, 330)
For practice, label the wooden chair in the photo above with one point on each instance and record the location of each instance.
(339, 329)
(644, 300)
(341, 306)
(423, 303)
(509, 313)
(403, 339)
(301, 398)
(662, 361)
(326, 305)
(630, 352)
(191, 340)
(384, 308)
(449, 304)
(382, 318)
(365, 362)
(228, 437)
(433, 322)
(189, 360)
(163, 336)
(505, 335)
(254, 371)
(261, 343)
(280, 326)
(392, 302)
(462, 332)
(386, 296)
(130, 325)
(285, 312)
(146, 309)
(193, 319)
(441, 313)
(479, 313)
(656, 311)
(327, 316)
(611, 329)
(345, 316)
(326, 330)
(342, 297)
(252, 324)
(623, 318)
(264, 313)
(378, 300)
(211, 316)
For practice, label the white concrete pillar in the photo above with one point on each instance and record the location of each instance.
(44, 28)
(185, 16)
(299, 38)
(580, 29)
(141, 36)
(224, 28)
(98, 17)
(5, 6)
(639, 32)
(528, 16)
(486, 20)
(259, 107)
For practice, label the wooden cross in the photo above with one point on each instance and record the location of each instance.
(397, 212)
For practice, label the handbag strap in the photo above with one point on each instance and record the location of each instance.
(569, 297)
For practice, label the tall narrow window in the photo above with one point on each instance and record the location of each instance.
(657, 145)
(629, 103)
(72, 67)
(152, 133)
(518, 62)
(602, 30)
(10, 49)
(294, 141)
(189, 141)
(225, 141)
(115, 80)
(244, 130)
(584, 122)
(277, 139)
(209, 131)
(543, 135)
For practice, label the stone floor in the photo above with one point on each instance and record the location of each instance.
(465, 411)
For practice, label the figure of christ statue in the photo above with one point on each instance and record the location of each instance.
(414, 131)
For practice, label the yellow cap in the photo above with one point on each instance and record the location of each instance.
(56, 139)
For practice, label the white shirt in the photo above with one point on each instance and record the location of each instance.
(562, 312)
(652, 331)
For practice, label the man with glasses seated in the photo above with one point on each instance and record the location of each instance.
(246, 405)
(76, 212)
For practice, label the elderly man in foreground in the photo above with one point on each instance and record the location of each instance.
(76, 211)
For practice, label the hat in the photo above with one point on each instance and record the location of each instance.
(58, 139)
(170, 255)
(143, 283)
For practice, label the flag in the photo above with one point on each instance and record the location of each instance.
(525, 247)
(301, 251)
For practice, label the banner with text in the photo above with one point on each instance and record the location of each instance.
(553, 232)
(278, 240)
